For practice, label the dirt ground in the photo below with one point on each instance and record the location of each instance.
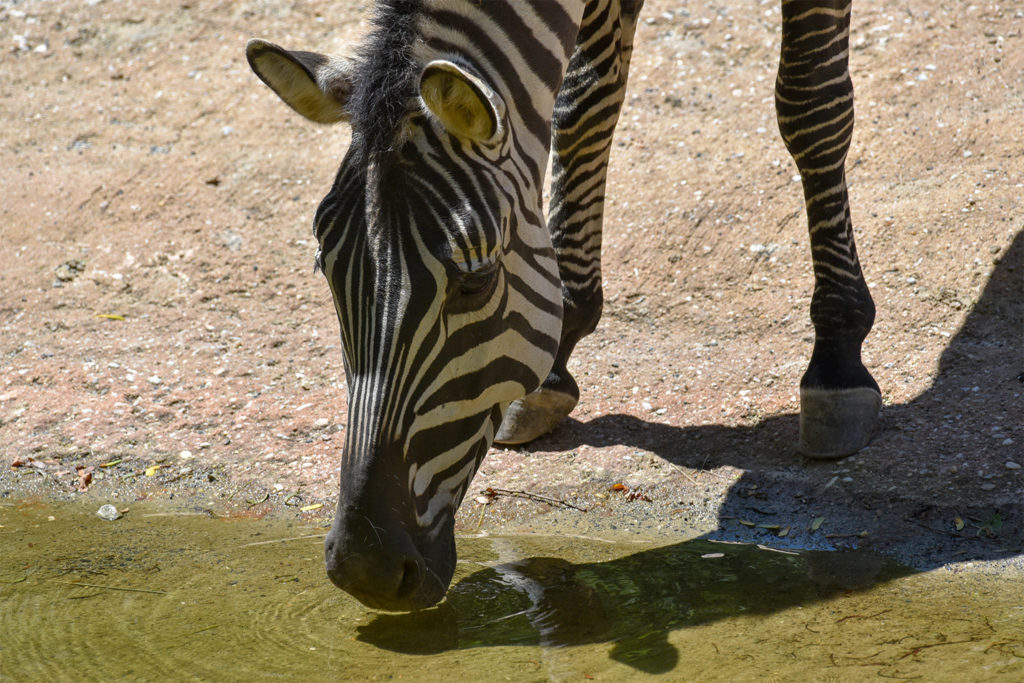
(164, 333)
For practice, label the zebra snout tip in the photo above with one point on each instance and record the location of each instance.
(395, 579)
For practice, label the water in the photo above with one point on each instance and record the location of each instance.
(173, 594)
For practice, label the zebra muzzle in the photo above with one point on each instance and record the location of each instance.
(384, 568)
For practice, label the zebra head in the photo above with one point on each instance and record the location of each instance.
(444, 279)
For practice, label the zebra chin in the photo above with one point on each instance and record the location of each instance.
(386, 568)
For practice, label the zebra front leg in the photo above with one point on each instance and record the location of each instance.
(583, 123)
(839, 400)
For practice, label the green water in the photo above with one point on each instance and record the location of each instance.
(172, 595)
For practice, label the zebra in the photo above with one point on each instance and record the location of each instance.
(459, 305)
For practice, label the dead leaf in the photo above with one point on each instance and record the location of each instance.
(314, 506)
(958, 523)
(110, 316)
(816, 523)
(784, 531)
(619, 487)
(84, 477)
(152, 469)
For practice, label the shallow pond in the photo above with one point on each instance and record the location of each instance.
(172, 594)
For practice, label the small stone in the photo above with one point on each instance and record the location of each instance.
(1011, 465)
(185, 455)
(987, 487)
(154, 380)
(108, 512)
(322, 422)
(1007, 442)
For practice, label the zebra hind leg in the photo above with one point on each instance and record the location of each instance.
(584, 121)
(839, 400)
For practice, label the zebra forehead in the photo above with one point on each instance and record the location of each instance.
(386, 76)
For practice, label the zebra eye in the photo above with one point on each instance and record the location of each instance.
(470, 291)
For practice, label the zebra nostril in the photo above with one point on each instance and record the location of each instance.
(412, 577)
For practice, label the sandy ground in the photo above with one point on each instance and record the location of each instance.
(164, 333)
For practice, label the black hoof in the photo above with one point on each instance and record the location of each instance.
(835, 423)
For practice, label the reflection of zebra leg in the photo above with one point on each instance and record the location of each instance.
(584, 121)
(839, 400)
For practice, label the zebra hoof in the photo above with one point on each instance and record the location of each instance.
(835, 423)
(534, 415)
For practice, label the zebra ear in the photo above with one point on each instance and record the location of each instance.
(315, 85)
(463, 103)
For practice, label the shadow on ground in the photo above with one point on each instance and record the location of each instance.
(885, 526)
(929, 449)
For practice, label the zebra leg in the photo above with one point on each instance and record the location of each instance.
(584, 119)
(839, 400)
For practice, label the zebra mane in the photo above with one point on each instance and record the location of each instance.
(386, 78)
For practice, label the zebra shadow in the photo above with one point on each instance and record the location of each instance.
(971, 416)
(631, 603)
(883, 528)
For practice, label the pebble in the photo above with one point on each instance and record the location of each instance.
(108, 512)
(322, 422)
(185, 455)
(1011, 465)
